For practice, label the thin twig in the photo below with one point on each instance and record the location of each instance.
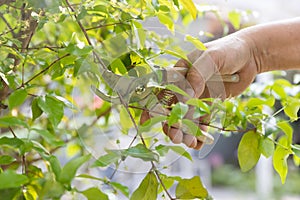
(12, 132)
(8, 25)
(44, 70)
(104, 25)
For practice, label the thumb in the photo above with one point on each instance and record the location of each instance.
(201, 71)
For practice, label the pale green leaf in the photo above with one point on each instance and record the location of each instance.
(10, 179)
(163, 150)
(280, 162)
(176, 54)
(125, 120)
(296, 160)
(166, 20)
(107, 159)
(190, 189)
(248, 151)
(291, 108)
(266, 147)
(287, 129)
(17, 98)
(189, 6)
(94, 194)
(147, 189)
(69, 170)
(120, 187)
(196, 42)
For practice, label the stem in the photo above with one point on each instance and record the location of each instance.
(12, 132)
(8, 25)
(104, 25)
(99, 60)
(44, 70)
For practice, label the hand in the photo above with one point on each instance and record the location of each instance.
(225, 56)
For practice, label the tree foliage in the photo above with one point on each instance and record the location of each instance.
(50, 52)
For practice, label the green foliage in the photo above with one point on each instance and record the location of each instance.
(248, 150)
(147, 190)
(51, 52)
(190, 188)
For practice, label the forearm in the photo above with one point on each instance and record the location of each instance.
(275, 46)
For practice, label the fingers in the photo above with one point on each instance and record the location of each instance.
(177, 137)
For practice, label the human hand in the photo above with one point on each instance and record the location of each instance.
(226, 56)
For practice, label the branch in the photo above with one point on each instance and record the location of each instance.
(44, 70)
(104, 25)
(8, 25)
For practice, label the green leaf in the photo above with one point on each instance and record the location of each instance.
(189, 6)
(291, 108)
(49, 137)
(120, 187)
(14, 142)
(69, 170)
(235, 19)
(163, 150)
(166, 20)
(16, 98)
(287, 129)
(94, 194)
(118, 67)
(10, 179)
(6, 159)
(107, 159)
(255, 102)
(296, 160)
(199, 104)
(248, 151)
(178, 111)
(140, 151)
(167, 180)
(147, 190)
(35, 109)
(125, 120)
(53, 108)
(139, 34)
(280, 162)
(296, 149)
(12, 121)
(55, 166)
(176, 89)
(77, 50)
(266, 147)
(196, 42)
(190, 189)
(176, 54)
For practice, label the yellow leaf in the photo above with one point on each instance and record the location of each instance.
(190, 6)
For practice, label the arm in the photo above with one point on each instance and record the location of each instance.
(275, 46)
(261, 48)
